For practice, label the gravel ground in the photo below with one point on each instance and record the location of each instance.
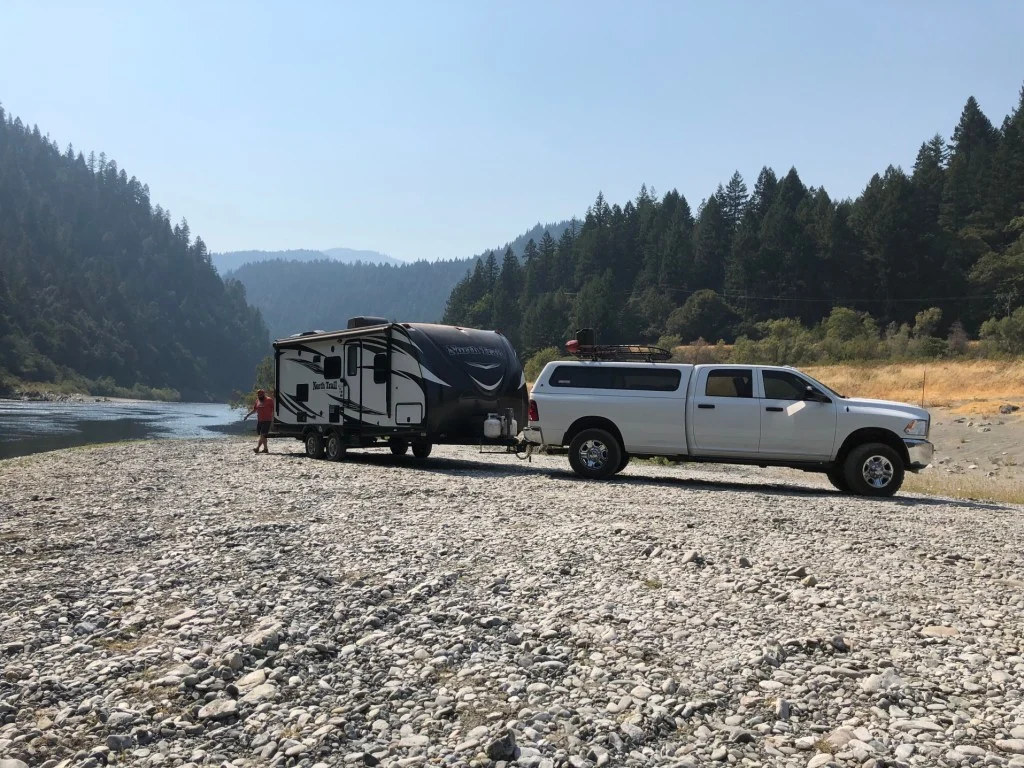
(173, 603)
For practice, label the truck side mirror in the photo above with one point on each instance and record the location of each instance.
(810, 393)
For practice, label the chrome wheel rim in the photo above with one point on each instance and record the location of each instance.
(877, 471)
(333, 446)
(593, 454)
(310, 445)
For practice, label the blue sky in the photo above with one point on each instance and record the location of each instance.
(437, 129)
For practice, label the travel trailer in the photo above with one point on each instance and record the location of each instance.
(379, 384)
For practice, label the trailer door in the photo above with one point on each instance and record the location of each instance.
(353, 390)
(373, 382)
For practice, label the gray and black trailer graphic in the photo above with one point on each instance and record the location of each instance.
(398, 385)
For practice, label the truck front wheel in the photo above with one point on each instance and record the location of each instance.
(873, 469)
(595, 454)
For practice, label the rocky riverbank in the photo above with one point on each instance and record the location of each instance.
(188, 603)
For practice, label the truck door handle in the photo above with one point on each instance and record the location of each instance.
(775, 408)
(705, 405)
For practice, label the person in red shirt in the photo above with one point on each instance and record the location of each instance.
(264, 410)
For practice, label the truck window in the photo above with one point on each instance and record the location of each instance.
(332, 367)
(730, 382)
(779, 385)
(610, 377)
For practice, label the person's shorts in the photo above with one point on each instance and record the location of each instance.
(263, 428)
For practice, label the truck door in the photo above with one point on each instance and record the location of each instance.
(725, 414)
(794, 426)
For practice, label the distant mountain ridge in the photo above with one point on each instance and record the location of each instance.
(304, 290)
(232, 260)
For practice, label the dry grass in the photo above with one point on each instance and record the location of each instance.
(966, 487)
(969, 386)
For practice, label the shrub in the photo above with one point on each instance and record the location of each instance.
(956, 342)
(537, 362)
(1006, 334)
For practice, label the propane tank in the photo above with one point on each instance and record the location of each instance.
(493, 426)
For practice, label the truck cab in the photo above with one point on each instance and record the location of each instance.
(608, 410)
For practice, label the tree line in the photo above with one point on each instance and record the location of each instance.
(948, 235)
(100, 292)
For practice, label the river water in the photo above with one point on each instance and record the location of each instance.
(34, 427)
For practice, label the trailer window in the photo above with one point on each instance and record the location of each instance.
(352, 350)
(302, 392)
(609, 377)
(729, 382)
(332, 367)
(380, 368)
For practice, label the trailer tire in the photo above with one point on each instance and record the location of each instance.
(334, 447)
(874, 469)
(314, 445)
(421, 450)
(398, 446)
(595, 454)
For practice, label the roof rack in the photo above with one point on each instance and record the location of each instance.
(617, 352)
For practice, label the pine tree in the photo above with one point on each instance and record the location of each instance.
(734, 201)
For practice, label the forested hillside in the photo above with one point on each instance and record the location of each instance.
(947, 234)
(232, 260)
(296, 296)
(99, 290)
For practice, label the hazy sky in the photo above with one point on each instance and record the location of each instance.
(437, 129)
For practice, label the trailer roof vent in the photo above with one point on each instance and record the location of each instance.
(365, 321)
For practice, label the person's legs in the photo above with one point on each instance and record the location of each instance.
(264, 430)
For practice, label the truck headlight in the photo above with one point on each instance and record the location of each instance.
(917, 427)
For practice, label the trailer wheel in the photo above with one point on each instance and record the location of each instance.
(874, 469)
(421, 450)
(595, 454)
(334, 447)
(314, 445)
(398, 446)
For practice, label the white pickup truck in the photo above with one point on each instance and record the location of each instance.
(608, 412)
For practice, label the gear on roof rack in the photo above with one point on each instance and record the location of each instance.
(584, 348)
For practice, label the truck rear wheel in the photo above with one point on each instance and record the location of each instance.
(398, 447)
(873, 469)
(623, 462)
(595, 454)
(837, 477)
(314, 445)
(334, 448)
(421, 450)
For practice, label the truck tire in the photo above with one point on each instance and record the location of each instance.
(421, 450)
(334, 447)
(314, 445)
(595, 454)
(398, 447)
(623, 462)
(873, 469)
(837, 477)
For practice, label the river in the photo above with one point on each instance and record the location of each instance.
(31, 427)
